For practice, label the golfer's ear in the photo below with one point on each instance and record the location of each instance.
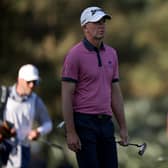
(85, 29)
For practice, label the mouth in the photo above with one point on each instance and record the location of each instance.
(102, 31)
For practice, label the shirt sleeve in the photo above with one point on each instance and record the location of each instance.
(115, 67)
(42, 117)
(70, 68)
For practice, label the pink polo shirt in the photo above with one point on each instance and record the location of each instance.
(93, 72)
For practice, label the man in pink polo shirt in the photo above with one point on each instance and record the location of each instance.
(91, 95)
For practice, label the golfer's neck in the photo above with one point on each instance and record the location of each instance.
(95, 42)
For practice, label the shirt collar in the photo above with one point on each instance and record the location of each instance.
(14, 95)
(91, 47)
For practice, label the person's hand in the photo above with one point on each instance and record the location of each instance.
(73, 141)
(7, 130)
(13, 132)
(124, 137)
(1, 138)
(33, 135)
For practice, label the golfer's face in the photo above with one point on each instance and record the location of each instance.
(27, 86)
(96, 30)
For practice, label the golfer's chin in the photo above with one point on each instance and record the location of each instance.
(29, 93)
(100, 37)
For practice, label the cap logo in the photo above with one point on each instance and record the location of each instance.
(96, 10)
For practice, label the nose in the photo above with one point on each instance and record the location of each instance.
(31, 84)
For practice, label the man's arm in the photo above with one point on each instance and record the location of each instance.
(43, 119)
(118, 110)
(67, 109)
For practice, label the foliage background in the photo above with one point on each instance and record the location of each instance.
(41, 32)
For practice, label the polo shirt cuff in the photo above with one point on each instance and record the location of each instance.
(69, 79)
(115, 80)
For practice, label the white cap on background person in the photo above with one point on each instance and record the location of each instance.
(93, 14)
(29, 72)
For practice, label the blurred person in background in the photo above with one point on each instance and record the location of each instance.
(91, 95)
(23, 109)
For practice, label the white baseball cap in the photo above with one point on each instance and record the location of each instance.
(93, 14)
(28, 72)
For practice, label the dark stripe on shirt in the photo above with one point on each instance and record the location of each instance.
(69, 79)
(115, 80)
(90, 47)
